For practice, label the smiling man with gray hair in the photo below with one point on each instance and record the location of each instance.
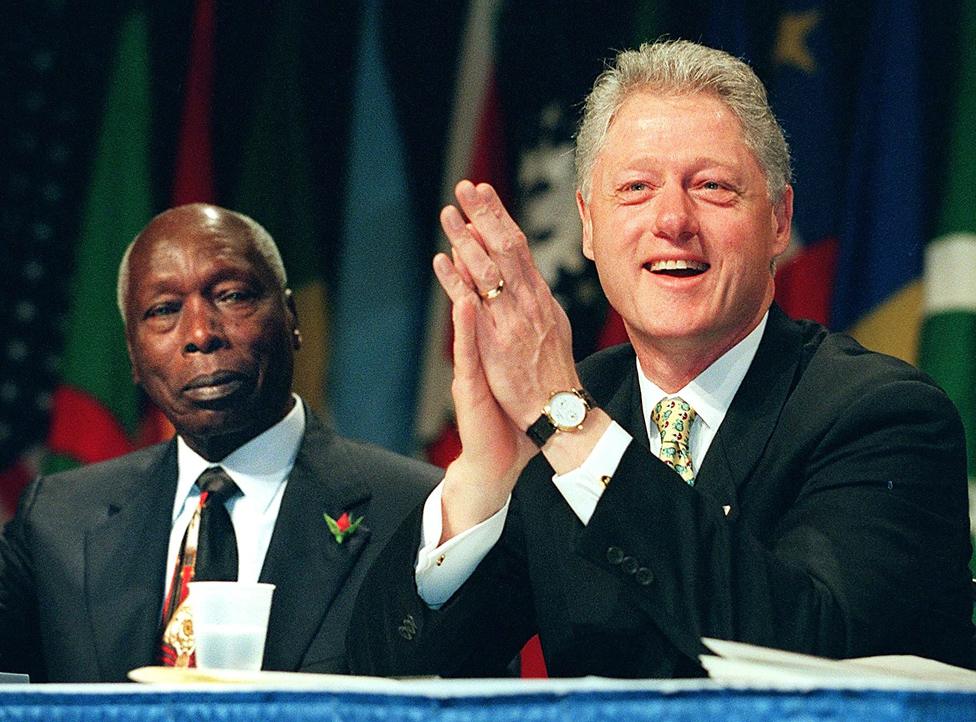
(729, 473)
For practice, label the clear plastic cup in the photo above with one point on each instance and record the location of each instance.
(230, 623)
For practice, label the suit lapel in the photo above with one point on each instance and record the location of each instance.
(747, 426)
(125, 560)
(754, 412)
(617, 391)
(304, 560)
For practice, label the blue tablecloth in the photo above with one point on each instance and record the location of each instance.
(132, 703)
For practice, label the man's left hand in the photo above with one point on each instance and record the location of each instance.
(524, 336)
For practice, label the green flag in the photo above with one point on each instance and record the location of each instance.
(948, 340)
(276, 189)
(96, 408)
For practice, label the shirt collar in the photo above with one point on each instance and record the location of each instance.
(258, 467)
(710, 393)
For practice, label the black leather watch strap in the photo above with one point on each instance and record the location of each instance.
(541, 430)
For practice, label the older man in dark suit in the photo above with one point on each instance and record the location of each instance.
(728, 473)
(92, 554)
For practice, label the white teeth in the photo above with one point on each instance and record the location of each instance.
(676, 265)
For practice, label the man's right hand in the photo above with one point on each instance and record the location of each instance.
(494, 451)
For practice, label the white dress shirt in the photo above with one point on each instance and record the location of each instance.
(260, 469)
(441, 570)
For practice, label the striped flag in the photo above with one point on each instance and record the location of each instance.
(48, 121)
(473, 146)
(948, 337)
(96, 409)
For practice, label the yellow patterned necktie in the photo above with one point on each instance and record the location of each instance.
(673, 417)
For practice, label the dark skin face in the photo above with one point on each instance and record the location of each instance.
(211, 333)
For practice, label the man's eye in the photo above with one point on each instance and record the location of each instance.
(717, 191)
(636, 186)
(161, 309)
(235, 296)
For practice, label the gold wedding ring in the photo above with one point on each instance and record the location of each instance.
(494, 292)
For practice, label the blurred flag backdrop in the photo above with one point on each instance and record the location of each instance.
(343, 127)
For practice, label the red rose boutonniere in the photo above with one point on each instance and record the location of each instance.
(343, 526)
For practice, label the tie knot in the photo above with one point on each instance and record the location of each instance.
(217, 484)
(673, 417)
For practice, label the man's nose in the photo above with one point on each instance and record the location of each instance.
(203, 331)
(675, 216)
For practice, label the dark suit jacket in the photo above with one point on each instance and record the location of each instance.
(848, 534)
(83, 563)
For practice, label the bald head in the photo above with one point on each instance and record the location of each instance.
(201, 216)
(210, 327)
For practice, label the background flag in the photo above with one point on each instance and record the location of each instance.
(948, 338)
(193, 175)
(275, 184)
(50, 106)
(474, 150)
(96, 408)
(382, 273)
(804, 91)
(877, 294)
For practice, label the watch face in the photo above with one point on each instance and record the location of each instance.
(567, 410)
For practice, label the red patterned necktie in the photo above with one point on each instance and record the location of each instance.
(673, 417)
(209, 553)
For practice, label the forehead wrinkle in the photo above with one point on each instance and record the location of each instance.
(647, 161)
(622, 155)
(168, 268)
(689, 110)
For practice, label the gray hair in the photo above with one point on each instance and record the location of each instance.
(680, 67)
(263, 242)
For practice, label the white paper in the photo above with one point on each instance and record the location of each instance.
(737, 663)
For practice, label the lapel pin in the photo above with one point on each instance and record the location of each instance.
(343, 526)
(726, 508)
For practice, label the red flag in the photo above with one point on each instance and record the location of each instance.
(475, 150)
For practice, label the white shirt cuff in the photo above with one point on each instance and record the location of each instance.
(441, 570)
(583, 486)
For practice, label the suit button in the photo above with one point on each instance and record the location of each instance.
(615, 555)
(629, 565)
(644, 576)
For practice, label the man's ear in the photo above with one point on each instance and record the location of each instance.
(783, 220)
(296, 333)
(587, 221)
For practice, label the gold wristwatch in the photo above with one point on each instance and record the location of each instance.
(565, 411)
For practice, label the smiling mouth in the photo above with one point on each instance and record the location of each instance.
(214, 388)
(676, 268)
